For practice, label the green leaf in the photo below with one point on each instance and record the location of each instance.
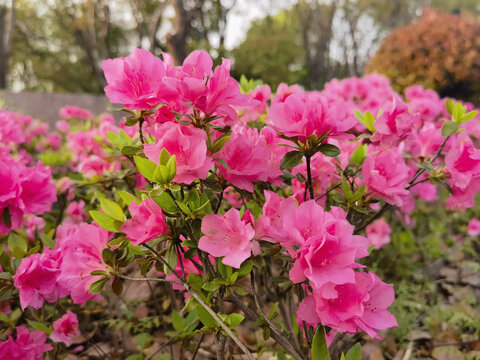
(329, 150)
(128, 198)
(130, 150)
(166, 202)
(17, 245)
(211, 286)
(177, 321)
(291, 159)
(449, 128)
(164, 157)
(233, 320)
(172, 168)
(47, 241)
(145, 167)
(369, 119)
(357, 195)
(117, 286)
(112, 209)
(183, 207)
(103, 220)
(467, 117)
(346, 188)
(360, 117)
(99, 273)
(170, 258)
(271, 313)
(319, 345)
(205, 317)
(39, 326)
(222, 162)
(355, 352)
(97, 286)
(245, 269)
(161, 175)
(195, 281)
(359, 155)
(220, 142)
(449, 105)
(224, 270)
(5, 276)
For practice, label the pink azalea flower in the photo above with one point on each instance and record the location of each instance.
(81, 249)
(223, 93)
(473, 227)
(188, 144)
(27, 346)
(36, 279)
(262, 94)
(393, 124)
(361, 305)
(37, 190)
(386, 175)
(309, 114)
(462, 162)
(147, 222)
(228, 236)
(270, 225)
(68, 112)
(75, 212)
(134, 81)
(284, 91)
(463, 198)
(95, 165)
(63, 126)
(9, 182)
(378, 233)
(65, 328)
(249, 158)
(328, 248)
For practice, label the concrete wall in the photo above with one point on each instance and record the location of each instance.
(46, 107)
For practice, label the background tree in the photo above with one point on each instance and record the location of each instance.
(271, 51)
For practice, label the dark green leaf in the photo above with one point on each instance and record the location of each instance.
(130, 150)
(6, 217)
(329, 150)
(291, 159)
(97, 286)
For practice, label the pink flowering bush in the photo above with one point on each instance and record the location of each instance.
(241, 211)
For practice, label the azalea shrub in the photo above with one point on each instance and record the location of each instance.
(249, 216)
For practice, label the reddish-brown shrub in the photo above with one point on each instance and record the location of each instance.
(440, 51)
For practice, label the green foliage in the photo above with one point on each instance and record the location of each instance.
(271, 51)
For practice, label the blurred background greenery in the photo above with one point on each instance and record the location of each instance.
(58, 45)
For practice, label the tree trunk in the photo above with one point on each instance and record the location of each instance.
(177, 43)
(7, 21)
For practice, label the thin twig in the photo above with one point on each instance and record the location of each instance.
(205, 306)
(278, 338)
(149, 279)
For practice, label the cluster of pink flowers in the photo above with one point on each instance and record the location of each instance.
(25, 188)
(28, 345)
(234, 145)
(66, 269)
